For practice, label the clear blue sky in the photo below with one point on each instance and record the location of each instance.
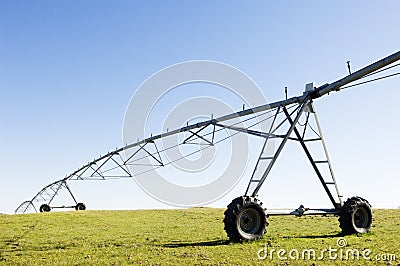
(69, 68)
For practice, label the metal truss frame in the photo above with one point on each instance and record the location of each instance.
(114, 165)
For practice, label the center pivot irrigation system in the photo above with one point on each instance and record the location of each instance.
(293, 119)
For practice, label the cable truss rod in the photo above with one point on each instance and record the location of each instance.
(318, 92)
(336, 86)
(306, 96)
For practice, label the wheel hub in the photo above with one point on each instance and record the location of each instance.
(250, 221)
(361, 218)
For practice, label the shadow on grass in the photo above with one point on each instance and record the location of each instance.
(197, 244)
(226, 242)
(319, 236)
(13, 242)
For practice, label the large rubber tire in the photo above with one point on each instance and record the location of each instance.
(245, 219)
(80, 207)
(355, 216)
(44, 208)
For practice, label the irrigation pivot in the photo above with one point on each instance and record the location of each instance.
(294, 119)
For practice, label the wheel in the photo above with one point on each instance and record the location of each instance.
(245, 219)
(44, 208)
(356, 216)
(80, 207)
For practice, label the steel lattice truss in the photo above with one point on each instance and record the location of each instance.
(145, 156)
(293, 119)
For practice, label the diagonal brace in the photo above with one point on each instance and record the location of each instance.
(303, 145)
(198, 135)
(283, 142)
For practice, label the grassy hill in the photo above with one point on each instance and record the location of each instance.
(187, 237)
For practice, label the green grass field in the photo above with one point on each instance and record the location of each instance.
(186, 237)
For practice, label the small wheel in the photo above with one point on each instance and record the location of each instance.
(44, 208)
(356, 216)
(80, 207)
(245, 219)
